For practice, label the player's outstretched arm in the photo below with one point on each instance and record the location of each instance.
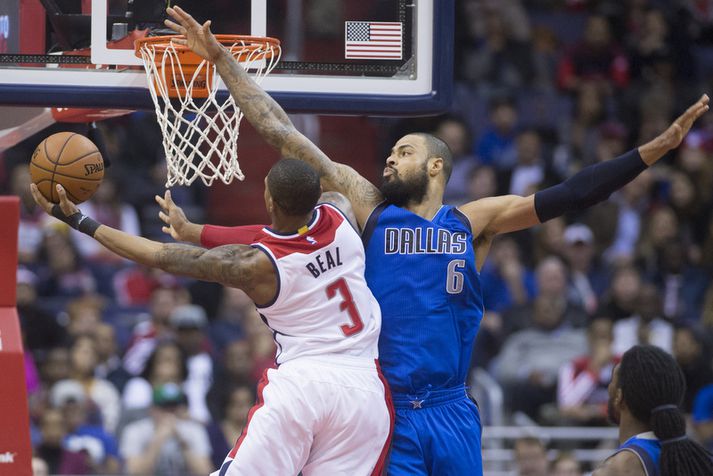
(237, 266)
(591, 185)
(270, 120)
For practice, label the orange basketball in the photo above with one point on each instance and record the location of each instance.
(70, 160)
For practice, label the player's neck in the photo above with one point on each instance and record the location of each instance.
(428, 207)
(290, 224)
(629, 427)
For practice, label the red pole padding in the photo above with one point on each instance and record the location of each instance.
(15, 448)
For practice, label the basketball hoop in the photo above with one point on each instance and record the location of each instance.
(200, 132)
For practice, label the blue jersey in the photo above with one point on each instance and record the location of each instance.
(423, 275)
(648, 450)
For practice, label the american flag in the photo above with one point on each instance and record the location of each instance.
(373, 40)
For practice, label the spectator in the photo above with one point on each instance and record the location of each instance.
(646, 326)
(32, 220)
(163, 301)
(497, 144)
(682, 285)
(582, 385)
(621, 299)
(503, 62)
(167, 442)
(108, 361)
(506, 281)
(188, 323)
(661, 228)
(65, 274)
(587, 280)
(549, 239)
(453, 130)
(55, 366)
(691, 348)
(96, 448)
(40, 328)
(531, 457)
(551, 284)
(225, 430)
(85, 314)
(167, 364)
(632, 202)
(595, 58)
(529, 171)
(565, 464)
(52, 431)
(482, 183)
(83, 360)
(530, 361)
(107, 207)
(236, 369)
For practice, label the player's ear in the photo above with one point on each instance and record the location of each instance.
(435, 166)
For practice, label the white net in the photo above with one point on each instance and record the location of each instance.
(200, 135)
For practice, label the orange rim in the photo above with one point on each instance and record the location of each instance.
(242, 46)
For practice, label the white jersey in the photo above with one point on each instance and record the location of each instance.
(323, 305)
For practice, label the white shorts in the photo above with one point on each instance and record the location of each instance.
(328, 415)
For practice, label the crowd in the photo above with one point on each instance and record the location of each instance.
(133, 371)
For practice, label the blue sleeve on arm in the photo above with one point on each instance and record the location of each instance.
(589, 186)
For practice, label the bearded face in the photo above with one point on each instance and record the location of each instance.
(400, 190)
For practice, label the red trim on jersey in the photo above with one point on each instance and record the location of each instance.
(380, 467)
(321, 235)
(260, 402)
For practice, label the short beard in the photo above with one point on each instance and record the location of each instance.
(399, 192)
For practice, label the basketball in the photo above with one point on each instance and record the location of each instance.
(70, 160)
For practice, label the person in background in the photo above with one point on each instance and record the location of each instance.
(188, 323)
(531, 457)
(94, 450)
(167, 443)
(645, 395)
(530, 361)
(582, 385)
(646, 325)
(83, 360)
(497, 144)
(587, 280)
(565, 464)
(454, 131)
(236, 369)
(691, 349)
(231, 419)
(108, 361)
(164, 300)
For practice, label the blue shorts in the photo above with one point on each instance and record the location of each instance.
(438, 434)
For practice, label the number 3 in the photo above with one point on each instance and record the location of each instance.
(347, 304)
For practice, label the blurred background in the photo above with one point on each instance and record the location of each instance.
(120, 357)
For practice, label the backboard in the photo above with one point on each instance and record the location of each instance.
(378, 57)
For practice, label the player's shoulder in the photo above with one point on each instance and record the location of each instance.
(623, 463)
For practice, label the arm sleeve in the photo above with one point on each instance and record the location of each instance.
(213, 236)
(589, 186)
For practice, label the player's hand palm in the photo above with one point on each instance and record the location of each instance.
(199, 38)
(679, 129)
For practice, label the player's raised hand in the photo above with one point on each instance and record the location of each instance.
(673, 136)
(199, 38)
(177, 225)
(67, 207)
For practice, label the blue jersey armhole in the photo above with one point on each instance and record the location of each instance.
(371, 223)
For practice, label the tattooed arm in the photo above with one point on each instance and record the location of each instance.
(270, 120)
(237, 266)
